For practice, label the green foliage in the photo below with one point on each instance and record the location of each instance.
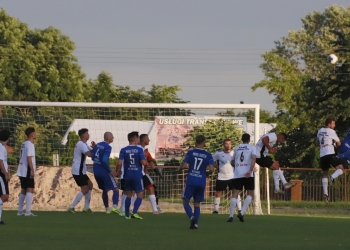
(265, 116)
(215, 132)
(306, 87)
(172, 162)
(66, 157)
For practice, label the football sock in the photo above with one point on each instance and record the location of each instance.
(325, 185)
(276, 180)
(156, 194)
(337, 173)
(133, 199)
(1, 208)
(87, 200)
(246, 203)
(21, 202)
(233, 204)
(127, 206)
(152, 199)
(105, 199)
(137, 205)
(188, 209)
(216, 204)
(29, 198)
(78, 197)
(280, 174)
(197, 213)
(115, 198)
(239, 203)
(122, 206)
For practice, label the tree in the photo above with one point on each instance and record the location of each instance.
(265, 116)
(215, 132)
(37, 65)
(307, 89)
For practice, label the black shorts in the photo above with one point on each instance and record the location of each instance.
(4, 185)
(147, 181)
(81, 180)
(221, 185)
(247, 183)
(328, 161)
(27, 182)
(265, 162)
(122, 184)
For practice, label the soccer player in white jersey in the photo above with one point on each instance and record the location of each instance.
(263, 147)
(4, 175)
(26, 172)
(147, 180)
(326, 137)
(244, 161)
(79, 171)
(225, 174)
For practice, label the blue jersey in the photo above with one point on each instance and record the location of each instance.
(100, 156)
(345, 147)
(198, 160)
(131, 157)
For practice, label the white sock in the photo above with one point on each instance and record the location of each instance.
(29, 199)
(239, 203)
(122, 205)
(337, 173)
(133, 199)
(21, 202)
(325, 185)
(216, 204)
(1, 202)
(280, 174)
(152, 199)
(87, 200)
(233, 206)
(246, 203)
(276, 179)
(77, 199)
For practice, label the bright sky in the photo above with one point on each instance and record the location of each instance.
(210, 48)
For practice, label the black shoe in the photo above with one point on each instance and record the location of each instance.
(240, 217)
(239, 211)
(330, 179)
(2, 223)
(215, 212)
(230, 219)
(193, 223)
(326, 198)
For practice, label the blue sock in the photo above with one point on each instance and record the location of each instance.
(115, 197)
(137, 204)
(197, 212)
(127, 206)
(105, 198)
(188, 210)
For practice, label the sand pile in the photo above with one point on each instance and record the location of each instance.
(55, 189)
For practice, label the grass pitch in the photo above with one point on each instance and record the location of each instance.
(62, 230)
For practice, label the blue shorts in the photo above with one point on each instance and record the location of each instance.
(105, 181)
(197, 192)
(133, 185)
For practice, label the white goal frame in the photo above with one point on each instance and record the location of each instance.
(257, 204)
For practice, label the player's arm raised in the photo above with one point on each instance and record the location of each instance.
(266, 141)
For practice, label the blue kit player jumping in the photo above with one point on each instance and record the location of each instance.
(132, 158)
(103, 173)
(197, 160)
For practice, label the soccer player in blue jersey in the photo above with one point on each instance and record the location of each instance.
(104, 175)
(132, 158)
(197, 160)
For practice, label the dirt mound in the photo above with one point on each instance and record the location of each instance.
(55, 190)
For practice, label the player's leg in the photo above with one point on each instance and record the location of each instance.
(110, 184)
(233, 202)
(325, 165)
(4, 194)
(340, 164)
(101, 185)
(219, 187)
(230, 184)
(198, 197)
(148, 183)
(156, 195)
(81, 182)
(186, 197)
(122, 205)
(22, 196)
(249, 185)
(139, 188)
(88, 195)
(129, 194)
(278, 175)
(29, 196)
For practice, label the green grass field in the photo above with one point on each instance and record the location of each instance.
(62, 230)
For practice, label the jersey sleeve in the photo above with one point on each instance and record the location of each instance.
(272, 137)
(253, 151)
(187, 157)
(141, 154)
(210, 159)
(335, 137)
(30, 149)
(2, 154)
(121, 154)
(215, 156)
(83, 147)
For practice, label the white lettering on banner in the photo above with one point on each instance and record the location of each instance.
(172, 121)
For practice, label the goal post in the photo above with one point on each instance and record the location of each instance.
(57, 123)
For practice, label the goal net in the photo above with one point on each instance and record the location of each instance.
(171, 129)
